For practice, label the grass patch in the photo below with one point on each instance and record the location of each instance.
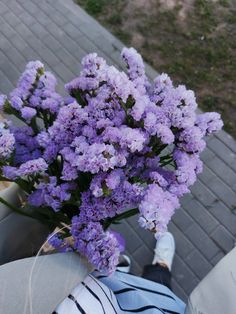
(196, 48)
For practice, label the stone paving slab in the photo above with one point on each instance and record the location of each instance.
(60, 33)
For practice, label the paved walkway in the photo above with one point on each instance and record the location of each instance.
(59, 33)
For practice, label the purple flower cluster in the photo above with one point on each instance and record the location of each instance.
(157, 208)
(117, 145)
(26, 145)
(35, 95)
(50, 193)
(56, 241)
(100, 247)
(7, 141)
(30, 167)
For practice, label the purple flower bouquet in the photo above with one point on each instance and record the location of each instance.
(117, 146)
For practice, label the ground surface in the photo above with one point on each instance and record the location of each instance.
(60, 33)
(192, 40)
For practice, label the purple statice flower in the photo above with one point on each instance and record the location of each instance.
(138, 109)
(95, 157)
(43, 139)
(159, 179)
(119, 239)
(35, 101)
(28, 113)
(134, 62)
(136, 69)
(162, 84)
(190, 140)
(97, 185)
(68, 172)
(7, 141)
(51, 153)
(114, 178)
(127, 138)
(52, 104)
(157, 208)
(209, 122)
(132, 139)
(92, 64)
(44, 95)
(32, 167)
(188, 166)
(100, 247)
(61, 245)
(34, 65)
(26, 146)
(35, 90)
(178, 189)
(165, 134)
(92, 74)
(111, 203)
(103, 183)
(16, 103)
(104, 111)
(178, 105)
(27, 80)
(150, 123)
(152, 162)
(120, 84)
(10, 172)
(51, 194)
(68, 125)
(82, 84)
(47, 80)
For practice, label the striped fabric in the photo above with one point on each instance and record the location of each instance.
(120, 293)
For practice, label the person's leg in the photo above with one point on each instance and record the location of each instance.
(160, 270)
(158, 273)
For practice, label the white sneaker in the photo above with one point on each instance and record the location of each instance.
(124, 264)
(164, 250)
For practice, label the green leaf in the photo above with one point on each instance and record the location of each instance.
(118, 218)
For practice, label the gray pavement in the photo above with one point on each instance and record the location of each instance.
(60, 33)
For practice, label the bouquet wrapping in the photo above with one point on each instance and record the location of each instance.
(118, 145)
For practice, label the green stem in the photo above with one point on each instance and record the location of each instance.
(165, 163)
(24, 185)
(15, 209)
(160, 149)
(123, 106)
(34, 126)
(77, 94)
(126, 214)
(166, 157)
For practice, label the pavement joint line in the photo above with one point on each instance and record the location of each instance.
(185, 236)
(195, 221)
(214, 152)
(31, 46)
(48, 46)
(217, 175)
(190, 270)
(218, 197)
